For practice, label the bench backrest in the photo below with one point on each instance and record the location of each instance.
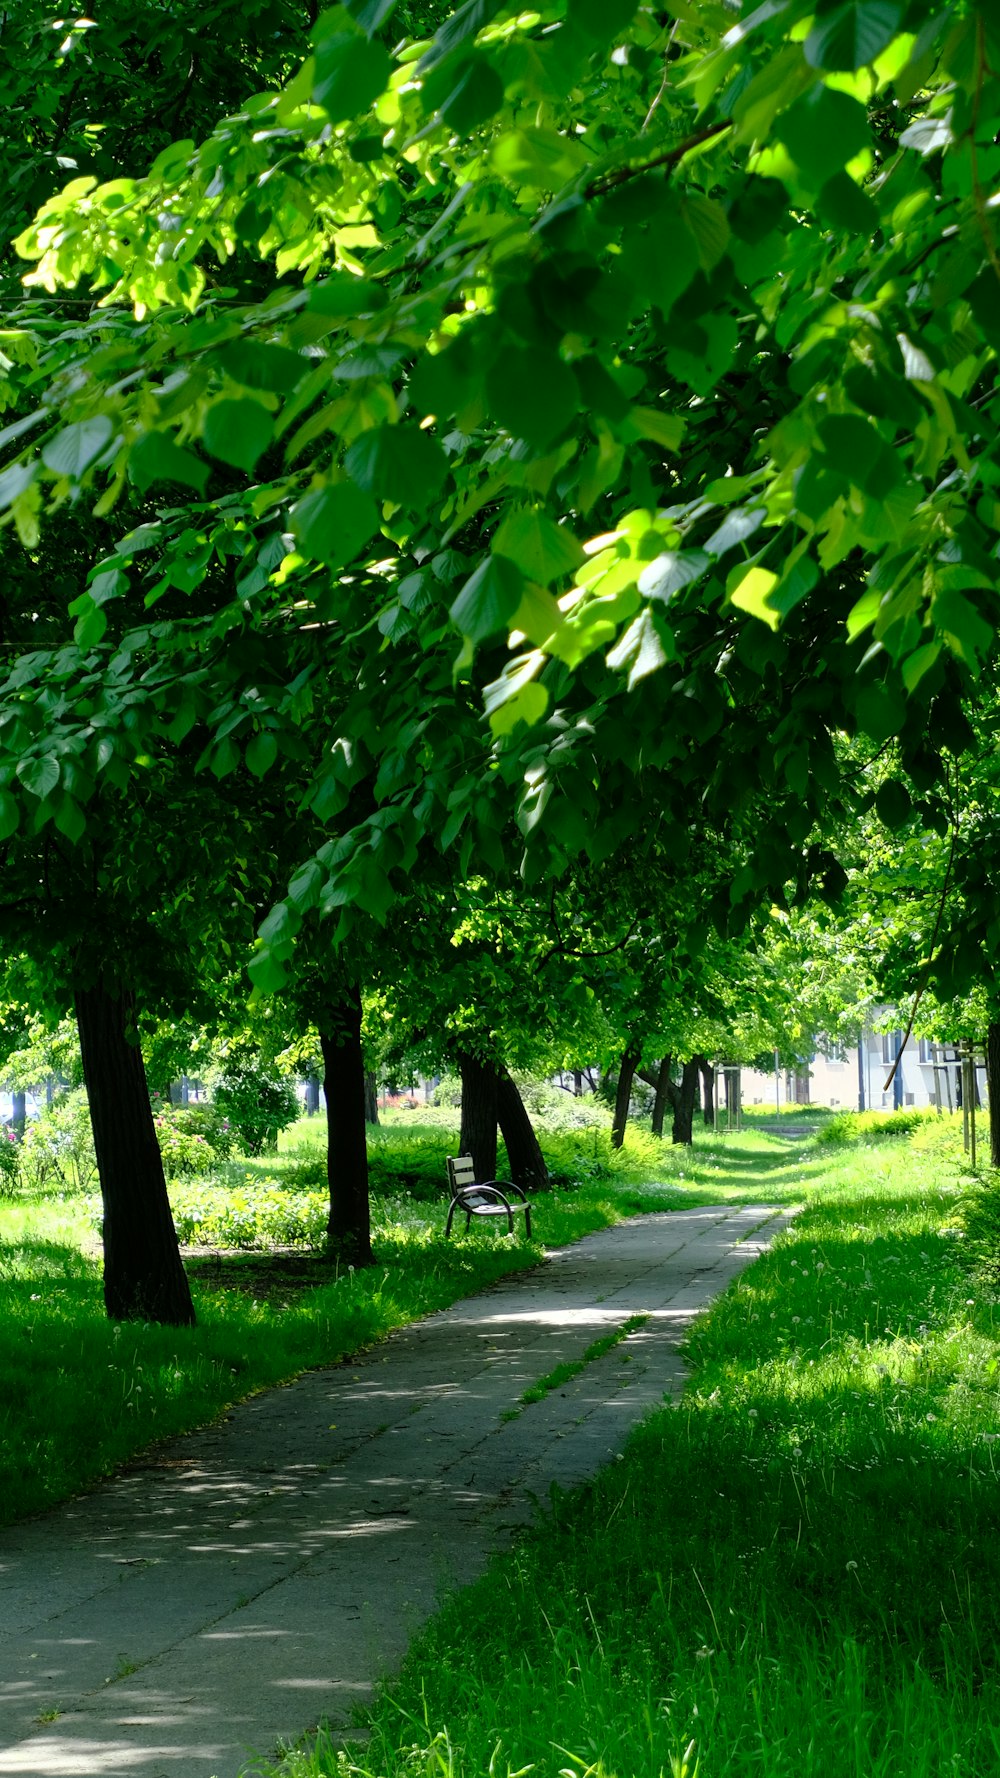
(461, 1173)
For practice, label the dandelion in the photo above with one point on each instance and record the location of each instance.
(752, 1414)
(930, 1418)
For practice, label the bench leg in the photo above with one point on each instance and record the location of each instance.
(451, 1213)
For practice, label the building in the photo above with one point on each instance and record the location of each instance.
(856, 1077)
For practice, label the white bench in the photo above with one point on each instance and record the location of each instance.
(482, 1199)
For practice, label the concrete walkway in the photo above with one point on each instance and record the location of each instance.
(251, 1579)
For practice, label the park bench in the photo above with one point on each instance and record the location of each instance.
(489, 1198)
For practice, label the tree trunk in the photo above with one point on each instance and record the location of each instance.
(144, 1279)
(479, 1114)
(683, 1103)
(18, 1112)
(626, 1075)
(524, 1156)
(348, 1225)
(176, 1093)
(577, 1084)
(371, 1097)
(662, 1095)
(993, 1084)
(707, 1089)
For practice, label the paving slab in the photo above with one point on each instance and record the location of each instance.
(245, 1582)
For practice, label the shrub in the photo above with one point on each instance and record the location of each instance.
(184, 1150)
(263, 1214)
(871, 1126)
(57, 1150)
(10, 1162)
(255, 1103)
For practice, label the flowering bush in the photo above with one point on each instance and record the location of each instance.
(57, 1150)
(184, 1150)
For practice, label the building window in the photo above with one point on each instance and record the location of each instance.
(926, 1052)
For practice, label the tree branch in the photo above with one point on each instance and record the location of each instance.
(668, 158)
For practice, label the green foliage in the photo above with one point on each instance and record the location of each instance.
(256, 1102)
(10, 1162)
(878, 1126)
(183, 1148)
(56, 1154)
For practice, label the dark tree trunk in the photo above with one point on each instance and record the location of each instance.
(577, 1083)
(707, 1088)
(312, 1094)
(50, 1089)
(144, 1279)
(626, 1075)
(662, 1095)
(479, 1114)
(371, 1098)
(348, 1225)
(682, 1099)
(524, 1157)
(176, 1093)
(993, 1084)
(18, 1112)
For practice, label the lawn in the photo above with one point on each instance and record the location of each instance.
(79, 1395)
(795, 1571)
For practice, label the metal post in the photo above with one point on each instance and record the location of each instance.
(777, 1087)
(965, 1096)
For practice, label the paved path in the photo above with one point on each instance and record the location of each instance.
(250, 1579)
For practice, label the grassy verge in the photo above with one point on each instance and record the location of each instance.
(79, 1396)
(793, 1574)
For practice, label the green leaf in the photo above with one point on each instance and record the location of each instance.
(473, 93)
(371, 15)
(660, 428)
(533, 394)
(343, 295)
(400, 463)
(823, 131)
(852, 35)
(351, 73)
(527, 705)
(91, 622)
(76, 447)
(542, 550)
(69, 819)
(258, 365)
(967, 634)
(489, 599)
(751, 595)
(893, 804)
(334, 523)
(238, 432)
(641, 649)
(39, 775)
(156, 458)
(665, 575)
(262, 751)
(10, 815)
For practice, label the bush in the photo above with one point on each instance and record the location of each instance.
(184, 1150)
(10, 1163)
(263, 1214)
(56, 1152)
(255, 1103)
(871, 1126)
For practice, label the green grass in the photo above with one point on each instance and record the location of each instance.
(795, 1572)
(79, 1396)
(564, 1373)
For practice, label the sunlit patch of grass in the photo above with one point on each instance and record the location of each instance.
(794, 1573)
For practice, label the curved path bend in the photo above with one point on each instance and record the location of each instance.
(246, 1581)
